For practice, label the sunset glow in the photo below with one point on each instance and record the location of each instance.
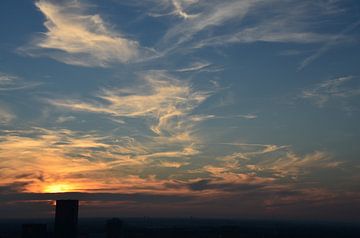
(59, 188)
(181, 107)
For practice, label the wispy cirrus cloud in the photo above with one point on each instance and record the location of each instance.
(329, 43)
(162, 97)
(271, 161)
(286, 23)
(332, 89)
(163, 105)
(179, 8)
(293, 165)
(64, 119)
(6, 116)
(268, 33)
(196, 66)
(76, 37)
(10, 82)
(248, 116)
(174, 8)
(211, 14)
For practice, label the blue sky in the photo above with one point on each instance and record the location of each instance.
(183, 106)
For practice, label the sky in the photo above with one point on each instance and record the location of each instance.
(177, 108)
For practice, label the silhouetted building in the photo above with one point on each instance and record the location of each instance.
(114, 228)
(34, 231)
(66, 218)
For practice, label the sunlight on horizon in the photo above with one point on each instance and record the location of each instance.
(59, 188)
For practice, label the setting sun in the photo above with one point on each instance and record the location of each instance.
(59, 188)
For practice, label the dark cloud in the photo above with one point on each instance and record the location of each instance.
(39, 176)
(12, 188)
(135, 197)
(252, 202)
(207, 184)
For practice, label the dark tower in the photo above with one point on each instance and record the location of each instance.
(34, 231)
(66, 218)
(113, 228)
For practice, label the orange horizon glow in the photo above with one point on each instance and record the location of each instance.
(59, 188)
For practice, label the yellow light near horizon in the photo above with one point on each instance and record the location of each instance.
(58, 188)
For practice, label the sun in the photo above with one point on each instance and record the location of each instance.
(59, 188)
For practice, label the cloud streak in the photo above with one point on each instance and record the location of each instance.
(210, 16)
(333, 40)
(6, 116)
(10, 82)
(332, 89)
(79, 38)
(249, 24)
(163, 98)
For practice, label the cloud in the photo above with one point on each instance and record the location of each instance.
(333, 40)
(42, 164)
(163, 104)
(154, 149)
(79, 38)
(267, 33)
(211, 14)
(207, 184)
(200, 118)
(266, 167)
(219, 23)
(16, 187)
(248, 116)
(54, 161)
(332, 89)
(197, 66)
(224, 178)
(286, 23)
(9, 82)
(275, 161)
(180, 11)
(161, 96)
(178, 8)
(68, 161)
(51, 160)
(6, 116)
(6, 79)
(79, 161)
(63, 119)
(294, 165)
(42, 150)
(257, 149)
(75, 36)
(173, 164)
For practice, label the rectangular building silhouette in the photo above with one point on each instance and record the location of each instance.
(66, 218)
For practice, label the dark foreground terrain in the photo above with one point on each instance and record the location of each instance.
(199, 228)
